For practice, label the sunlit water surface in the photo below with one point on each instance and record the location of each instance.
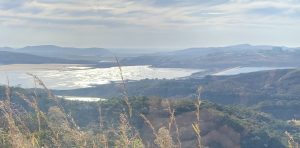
(81, 77)
(240, 70)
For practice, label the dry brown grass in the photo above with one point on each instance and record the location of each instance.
(172, 121)
(124, 89)
(13, 131)
(127, 137)
(20, 136)
(196, 125)
(147, 121)
(164, 138)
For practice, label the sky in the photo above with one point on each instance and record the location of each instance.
(149, 23)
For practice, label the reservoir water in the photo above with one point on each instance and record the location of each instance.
(72, 77)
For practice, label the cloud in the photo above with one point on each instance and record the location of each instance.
(11, 4)
(151, 14)
(156, 17)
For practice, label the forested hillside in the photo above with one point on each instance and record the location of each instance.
(83, 123)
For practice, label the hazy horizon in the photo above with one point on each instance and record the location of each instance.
(148, 48)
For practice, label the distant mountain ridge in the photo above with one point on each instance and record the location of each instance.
(221, 57)
(203, 58)
(22, 58)
(62, 52)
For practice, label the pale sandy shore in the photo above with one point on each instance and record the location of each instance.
(30, 67)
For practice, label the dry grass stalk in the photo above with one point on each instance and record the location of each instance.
(171, 118)
(164, 139)
(40, 115)
(38, 81)
(127, 137)
(102, 137)
(172, 121)
(34, 105)
(291, 141)
(8, 94)
(100, 117)
(124, 90)
(4, 137)
(79, 137)
(123, 131)
(103, 140)
(14, 132)
(147, 121)
(196, 125)
(135, 140)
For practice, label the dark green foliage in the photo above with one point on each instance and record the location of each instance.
(86, 113)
